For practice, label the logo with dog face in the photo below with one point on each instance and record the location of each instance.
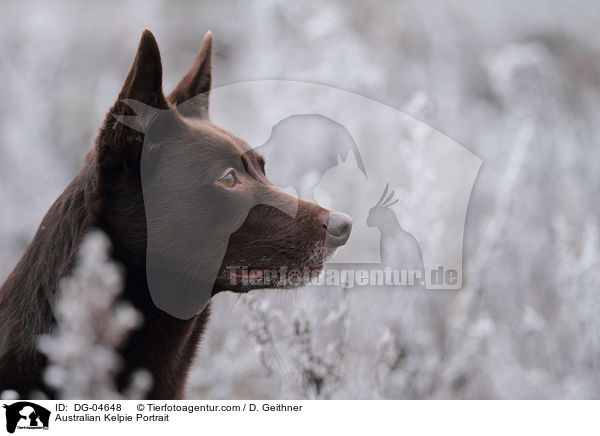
(213, 220)
(26, 415)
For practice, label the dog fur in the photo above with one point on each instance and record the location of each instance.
(107, 194)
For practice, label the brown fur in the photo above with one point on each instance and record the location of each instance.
(107, 194)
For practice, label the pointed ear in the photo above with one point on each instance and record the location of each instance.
(195, 83)
(144, 81)
(143, 84)
(139, 101)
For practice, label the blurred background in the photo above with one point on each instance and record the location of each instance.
(516, 83)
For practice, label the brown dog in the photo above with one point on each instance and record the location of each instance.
(207, 189)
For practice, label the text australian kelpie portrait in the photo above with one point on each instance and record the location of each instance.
(190, 213)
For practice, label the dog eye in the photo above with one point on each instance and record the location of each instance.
(229, 180)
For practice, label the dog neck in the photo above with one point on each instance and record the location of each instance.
(27, 296)
(163, 345)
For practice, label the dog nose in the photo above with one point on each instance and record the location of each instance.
(339, 226)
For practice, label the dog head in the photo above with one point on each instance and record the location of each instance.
(191, 203)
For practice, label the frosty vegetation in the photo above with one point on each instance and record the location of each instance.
(516, 83)
(91, 324)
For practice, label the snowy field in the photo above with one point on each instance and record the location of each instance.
(516, 83)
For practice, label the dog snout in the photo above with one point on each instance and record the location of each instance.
(338, 226)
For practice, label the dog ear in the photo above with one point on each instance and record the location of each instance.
(140, 100)
(191, 93)
(142, 94)
(144, 81)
